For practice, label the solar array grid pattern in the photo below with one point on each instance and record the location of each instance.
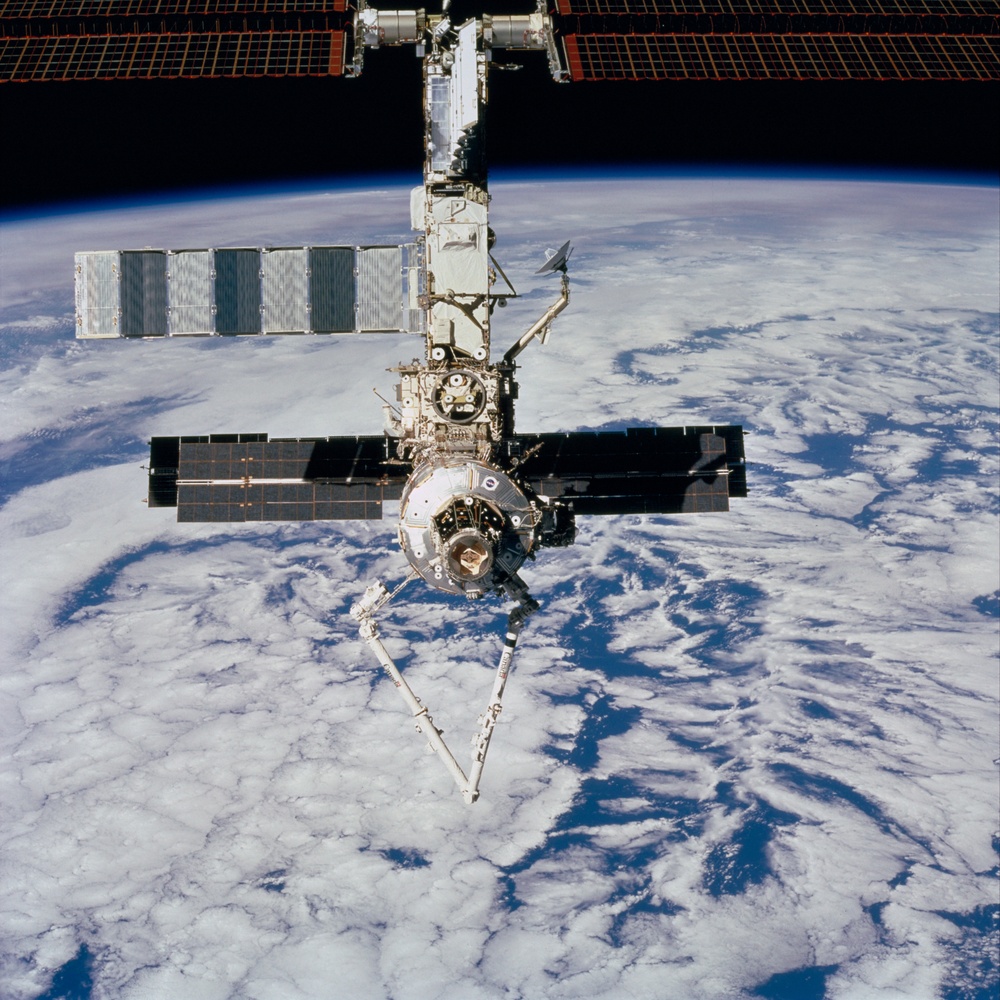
(222, 457)
(169, 56)
(236, 479)
(782, 57)
(37, 9)
(279, 502)
(886, 8)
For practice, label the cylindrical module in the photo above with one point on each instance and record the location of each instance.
(465, 526)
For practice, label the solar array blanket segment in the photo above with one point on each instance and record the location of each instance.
(168, 57)
(782, 57)
(247, 290)
(641, 470)
(167, 39)
(280, 502)
(784, 9)
(57, 10)
(772, 40)
(246, 477)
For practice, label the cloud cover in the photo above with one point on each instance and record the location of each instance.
(734, 748)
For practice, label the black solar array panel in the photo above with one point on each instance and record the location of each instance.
(246, 477)
(280, 502)
(349, 458)
(664, 470)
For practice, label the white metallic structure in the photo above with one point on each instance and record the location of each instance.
(465, 525)
(476, 499)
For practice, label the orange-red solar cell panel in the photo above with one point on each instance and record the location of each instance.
(161, 39)
(782, 57)
(673, 8)
(166, 56)
(47, 9)
(780, 39)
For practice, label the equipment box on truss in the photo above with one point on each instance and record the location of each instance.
(247, 291)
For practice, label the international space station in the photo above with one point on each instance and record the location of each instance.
(477, 498)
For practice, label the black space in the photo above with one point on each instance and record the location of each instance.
(68, 141)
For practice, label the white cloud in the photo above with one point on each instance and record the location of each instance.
(769, 729)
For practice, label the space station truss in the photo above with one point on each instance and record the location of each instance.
(238, 291)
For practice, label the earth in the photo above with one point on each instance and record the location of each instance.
(742, 755)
